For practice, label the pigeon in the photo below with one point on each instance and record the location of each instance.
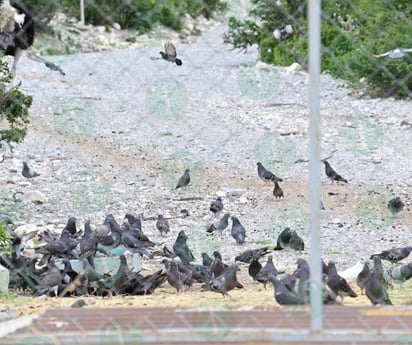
(206, 260)
(170, 54)
(220, 224)
(238, 231)
(266, 175)
(184, 179)
(226, 281)
(283, 295)
(302, 273)
(254, 268)
(393, 255)
(19, 242)
(113, 283)
(182, 250)
(177, 279)
(28, 172)
(134, 221)
(248, 255)
(218, 267)
(88, 242)
(396, 205)
(277, 191)
(266, 271)
(363, 276)
(79, 304)
(71, 226)
(162, 225)
(376, 291)
(50, 280)
(381, 273)
(332, 174)
(216, 206)
(283, 239)
(402, 273)
(296, 242)
(396, 53)
(338, 285)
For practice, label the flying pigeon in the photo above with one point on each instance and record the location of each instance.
(396, 205)
(184, 179)
(170, 54)
(332, 174)
(238, 231)
(266, 175)
(396, 53)
(28, 172)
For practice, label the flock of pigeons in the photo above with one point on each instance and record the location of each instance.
(50, 271)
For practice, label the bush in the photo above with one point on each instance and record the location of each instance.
(5, 239)
(14, 109)
(353, 31)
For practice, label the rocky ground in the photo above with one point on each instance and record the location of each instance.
(114, 134)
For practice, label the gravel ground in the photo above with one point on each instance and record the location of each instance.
(115, 133)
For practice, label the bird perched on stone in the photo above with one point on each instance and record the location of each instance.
(184, 179)
(220, 224)
(277, 191)
(216, 206)
(296, 242)
(162, 225)
(337, 284)
(226, 281)
(28, 172)
(283, 239)
(396, 205)
(170, 54)
(254, 268)
(248, 255)
(394, 255)
(283, 295)
(238, 231)
(266, 175)
(182, 250)
(266, 271)
(332, 174)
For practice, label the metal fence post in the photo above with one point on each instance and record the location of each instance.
(314, 15)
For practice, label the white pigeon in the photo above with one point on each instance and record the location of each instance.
(397, 53)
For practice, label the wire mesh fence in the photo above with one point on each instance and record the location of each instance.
(118, 114)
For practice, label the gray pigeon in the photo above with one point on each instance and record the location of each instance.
(88, 242)
(376, 291)
(226, 281)
(277, 191)
(402, 273)
(283, 239)
(394, 255)
(265, 175)
(182, 250)
(249, 254)
(184, 179)
(216, 206)
(296, 242)
(266, 271)
(51, 279)
(337, 284)
(363, 277)
(162, 225)
(254, 268)
(220, 224)
(206, 260)
(238, 231)
(177, 279)
(283, 295)
(28, 172)
(332, 174)
(170, 54)
(395, 205)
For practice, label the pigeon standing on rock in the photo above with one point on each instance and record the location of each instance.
(162, 225)
(396, 205)
(216, 206)
(332, 174)
(182, 250)
(170, 54)
(277, 191)
(184, 179)
(266, 175)
(28, 172)
(238, 231)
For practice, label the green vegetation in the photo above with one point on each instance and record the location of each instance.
(352, 32)
(14, 109)
(5, 239)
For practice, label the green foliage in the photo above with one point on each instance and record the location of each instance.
(353, 31)
(5, 239)
(42, 10)
(14, 109)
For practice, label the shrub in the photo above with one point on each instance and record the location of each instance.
(353, 31)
